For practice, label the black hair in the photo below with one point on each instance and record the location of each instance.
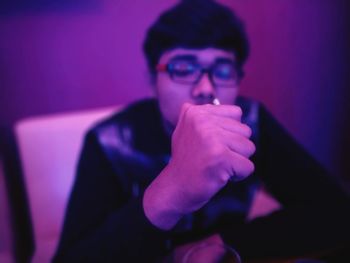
(196, 24)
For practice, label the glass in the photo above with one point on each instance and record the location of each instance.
(219, 253)
(221, 74)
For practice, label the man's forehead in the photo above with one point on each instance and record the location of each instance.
(207, 55)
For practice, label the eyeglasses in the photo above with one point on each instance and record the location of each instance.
(221, 73)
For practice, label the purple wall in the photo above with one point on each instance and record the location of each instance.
(78, 57)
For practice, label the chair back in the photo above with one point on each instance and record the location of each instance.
(49, 148)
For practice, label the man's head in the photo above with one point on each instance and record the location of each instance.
(196, 24)
(195, 52)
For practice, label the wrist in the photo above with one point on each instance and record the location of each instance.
(157, 204)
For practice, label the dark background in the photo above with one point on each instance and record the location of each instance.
(60, 56)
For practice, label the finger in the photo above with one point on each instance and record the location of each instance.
(238, 143)
(240, 167)
(233, 126)
(229, 111)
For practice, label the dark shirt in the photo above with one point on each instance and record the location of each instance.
(105, 221)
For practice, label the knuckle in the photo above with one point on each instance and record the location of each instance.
(246, 147)
(216, 153)
(224, 178)
(247, 169)
(238, 111)
(185, 108)
(251, 148)
(250, 167)
(248, 130)
(206, 106)
(216, 157)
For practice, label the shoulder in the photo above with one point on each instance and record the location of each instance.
(114, 128)
(250, 109)
(137, 127)
(255, 111)
(132, 114)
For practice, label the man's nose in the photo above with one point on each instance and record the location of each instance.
(203, 91)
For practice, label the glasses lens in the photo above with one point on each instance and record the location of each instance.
(224, 74)
(183, 71)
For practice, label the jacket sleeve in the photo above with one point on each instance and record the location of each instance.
(103, 224)
(315, 215)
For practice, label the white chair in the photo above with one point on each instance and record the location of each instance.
(49, 147)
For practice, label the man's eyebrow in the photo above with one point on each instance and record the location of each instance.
(224, 60)
(184, 57)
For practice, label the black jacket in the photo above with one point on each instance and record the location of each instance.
(124, 153)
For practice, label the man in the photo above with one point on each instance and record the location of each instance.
(185, 167)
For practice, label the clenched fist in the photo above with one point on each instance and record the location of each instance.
(209, 146)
